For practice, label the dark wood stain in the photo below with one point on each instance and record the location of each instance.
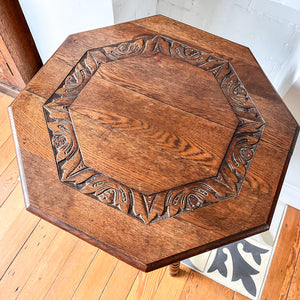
(147, 163)
(159, 145)
(175, 83)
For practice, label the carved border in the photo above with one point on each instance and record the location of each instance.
(153, 208)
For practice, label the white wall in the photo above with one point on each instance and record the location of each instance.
(128, 10)
(291, 188)
(270, 28)
(51, 21)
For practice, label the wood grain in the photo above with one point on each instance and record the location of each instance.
(28, 108)
(172, 82)
(101, 268)
(282, 269)
(4, 126)
(171, 287)
(105, 211)
(294, 290)
(248, 206)
(11, 208)
(70, 162)
(30, 255)
(44, 274)
(277, 133)
(103, 217)
(17, 45)
(5, 72)
(13, 217)
(4, 120)
(8, 180)
(146, 284)
(258, 85)
(75, 46)
(198, 286)
(49, 77)
(117, 282)
(7, 153)
(10, 77)
(55, 70)
(13, 239)
(8, 81)
(120, 134)
(72, 271)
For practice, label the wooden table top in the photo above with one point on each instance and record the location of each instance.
(153, 140)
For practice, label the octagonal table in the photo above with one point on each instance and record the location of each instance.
(152, 140)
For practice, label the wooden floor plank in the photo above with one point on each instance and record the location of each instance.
(171, 287)
(7, 151)
(11, 209)
(5, 128)
(72, 272)
(45, 272)
(8, 180)
(294, 291)
(5, 100)
(31, 253)
(95, 279)
(284, 259)
(14, 238)
(120, 283)
(146, 284)
(199, 287)
(238, 296)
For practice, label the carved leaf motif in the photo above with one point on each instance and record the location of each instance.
(153, 208)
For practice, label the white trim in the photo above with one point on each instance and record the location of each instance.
(290, 195)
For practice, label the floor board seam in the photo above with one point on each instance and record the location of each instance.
(20, 249)
(36, 264)
(108, 280)
(14, 185)
(133, 284)
(60, 270)
(92, 260)
(183, 289)
(288, 291)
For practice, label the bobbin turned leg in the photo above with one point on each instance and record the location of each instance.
(174, 268)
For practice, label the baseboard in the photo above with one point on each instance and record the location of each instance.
(290, 195)
(9, 90)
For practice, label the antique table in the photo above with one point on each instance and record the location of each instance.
(152, 140)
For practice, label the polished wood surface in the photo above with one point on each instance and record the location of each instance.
(170, 152)
(19, 58)
(27, 245)
(150, 164)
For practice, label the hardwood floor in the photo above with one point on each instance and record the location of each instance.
(40, 261)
